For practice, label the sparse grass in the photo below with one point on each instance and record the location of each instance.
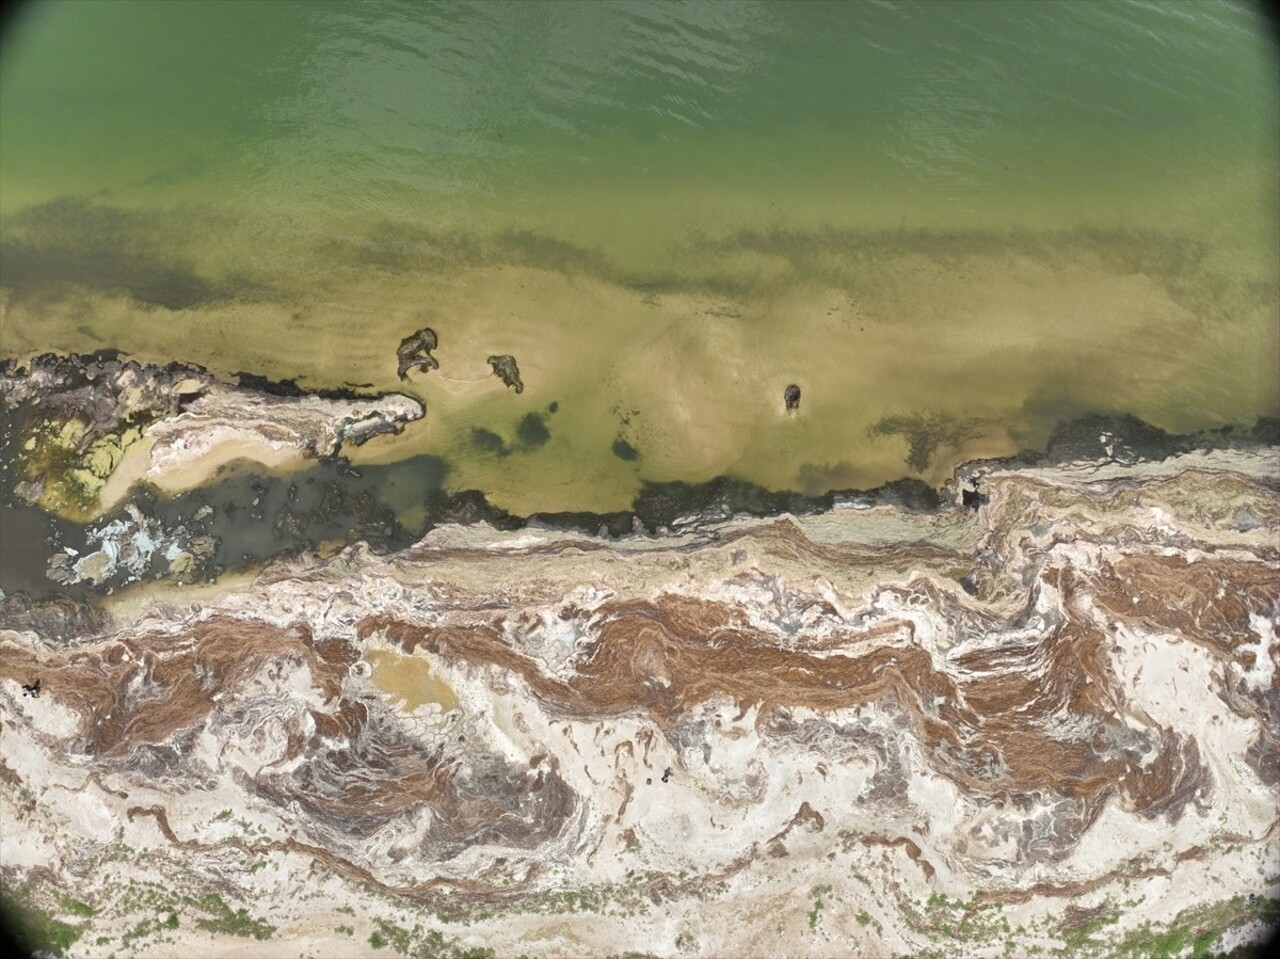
(960, 919)
(815, 914)
(1081, 936)
(31, 912)
(1200, 927)
(223, 919)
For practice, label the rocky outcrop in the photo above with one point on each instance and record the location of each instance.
(307, 424)
(414, 352)
(504, 367)
(69, 421)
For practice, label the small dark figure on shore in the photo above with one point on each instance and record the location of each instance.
(973, 498)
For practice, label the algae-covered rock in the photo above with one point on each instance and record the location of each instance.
(504, 367)
(415, 352)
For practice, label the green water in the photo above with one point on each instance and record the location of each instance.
(970, 217)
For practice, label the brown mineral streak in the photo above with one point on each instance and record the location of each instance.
(1013, 696)
(666, 657)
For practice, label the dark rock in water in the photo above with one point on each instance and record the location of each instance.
(467, 507)
(791, 396)
(532, 431)
(100, 389)
(487, 441)
(625, 451)
(677, 504)
(1267, 430)
(415, 352)
(614, 524)
(289, 389)
(1122, 439)
(505, 367)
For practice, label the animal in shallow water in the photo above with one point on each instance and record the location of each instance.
(31, 689)
(791, 397)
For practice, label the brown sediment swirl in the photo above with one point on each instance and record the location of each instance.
(986, 694)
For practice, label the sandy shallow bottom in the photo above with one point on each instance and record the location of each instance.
(957, 347)
(1045, 725)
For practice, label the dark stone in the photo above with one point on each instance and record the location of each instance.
(1267, 430)
(467, 507)
(972, 498)
(791, 397)
(505, 368)
(593, 524)
(415, 352)
(289, 389)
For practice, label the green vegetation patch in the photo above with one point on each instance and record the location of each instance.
(1199, 928)
(815, 914)
(69, 465)
(431, 944)
(223, 919)
(960, 919)
(34, 912)
(1081, 926)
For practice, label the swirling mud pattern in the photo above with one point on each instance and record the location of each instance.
(876, 729)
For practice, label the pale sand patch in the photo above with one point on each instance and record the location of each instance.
(409, 680)
(178, 477)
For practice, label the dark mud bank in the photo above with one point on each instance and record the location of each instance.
(246, 517)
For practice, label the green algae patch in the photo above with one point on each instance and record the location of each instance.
(64, 467)
(227, 921)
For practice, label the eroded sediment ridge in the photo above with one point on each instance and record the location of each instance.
(1068, 690)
